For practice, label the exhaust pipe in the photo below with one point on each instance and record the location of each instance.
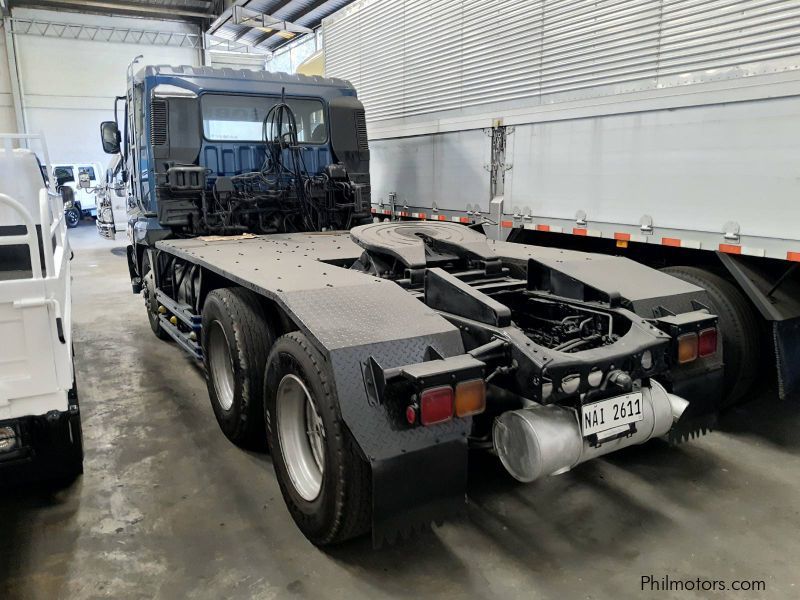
(547, 440)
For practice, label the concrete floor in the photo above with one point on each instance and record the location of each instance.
(169, 509)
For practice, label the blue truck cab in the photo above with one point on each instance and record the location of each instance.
(220, 151)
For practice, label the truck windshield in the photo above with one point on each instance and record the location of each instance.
(240, 118)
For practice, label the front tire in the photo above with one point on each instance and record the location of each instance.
(237, 336)
(73, 217)
(324, 480)
(150, 300)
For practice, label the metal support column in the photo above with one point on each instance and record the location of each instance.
(13, 75)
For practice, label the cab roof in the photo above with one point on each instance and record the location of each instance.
(213, 79)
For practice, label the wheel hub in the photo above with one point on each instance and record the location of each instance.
(220, 365)
(302, 437)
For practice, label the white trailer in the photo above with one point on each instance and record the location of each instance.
(664, 130)
(40, 429)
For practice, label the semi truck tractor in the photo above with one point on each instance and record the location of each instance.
(371, 356)
(663, 131)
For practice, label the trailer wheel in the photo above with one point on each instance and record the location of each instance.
(737, 325)
(324, 480)
(236, 337)
(150, 301)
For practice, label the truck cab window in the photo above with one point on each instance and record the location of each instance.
(63, 175)
(87, 171)
(241, 118)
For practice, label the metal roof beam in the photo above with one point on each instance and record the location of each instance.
(128, 8)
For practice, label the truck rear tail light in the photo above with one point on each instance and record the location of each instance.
(470, 397)
(707, 344)
(687, 347)
(436, 405)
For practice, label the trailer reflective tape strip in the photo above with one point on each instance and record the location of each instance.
(543, 228)
(793, 256)
(579, 231)
(507, 224)
(529, 226)
(464, 219)
(673, 242)
(373, 210)
(750, 251)
(622, 237)
(693, 244)
(730, 249)
(418, 215)
(642, 239)
(402, 213)
(442, 217)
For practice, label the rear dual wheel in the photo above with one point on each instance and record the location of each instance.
(236, 338)
(288, 384)
(738, 327)
(324, 480)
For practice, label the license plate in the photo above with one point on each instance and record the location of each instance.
(612, 413)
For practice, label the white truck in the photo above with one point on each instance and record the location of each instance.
(667, 131)
(83, 179)
(40, 427)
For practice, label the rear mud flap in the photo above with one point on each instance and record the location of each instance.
(412, 491)
(786, 335)
(704, 394)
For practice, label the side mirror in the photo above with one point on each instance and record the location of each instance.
(109, 135)
(84, 181)
(67, 195)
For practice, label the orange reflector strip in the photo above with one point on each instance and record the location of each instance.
(674, 242)
(470, 397)
(422, 216)
(730, 249)
(623, 237)
(543, 228)
(442, 218)
(687, 347)
(507, 224)
(793, 256)
(577, 231)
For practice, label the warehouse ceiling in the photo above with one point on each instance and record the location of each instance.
(264, 24)
(283, 20)
(182, 10)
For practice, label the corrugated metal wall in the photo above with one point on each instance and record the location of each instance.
(416, 57)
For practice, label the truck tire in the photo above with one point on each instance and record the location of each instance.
(236, 338)
(324, 480)
(73, 217)
(71, 466)
(150, 301)
(738, 328)
(66, 462)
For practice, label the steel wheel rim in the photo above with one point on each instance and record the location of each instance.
(302, 437)
(221, 365)
(149, 289)
(72, 217)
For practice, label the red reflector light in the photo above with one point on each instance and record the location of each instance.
(707, 344)
(436, 405)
